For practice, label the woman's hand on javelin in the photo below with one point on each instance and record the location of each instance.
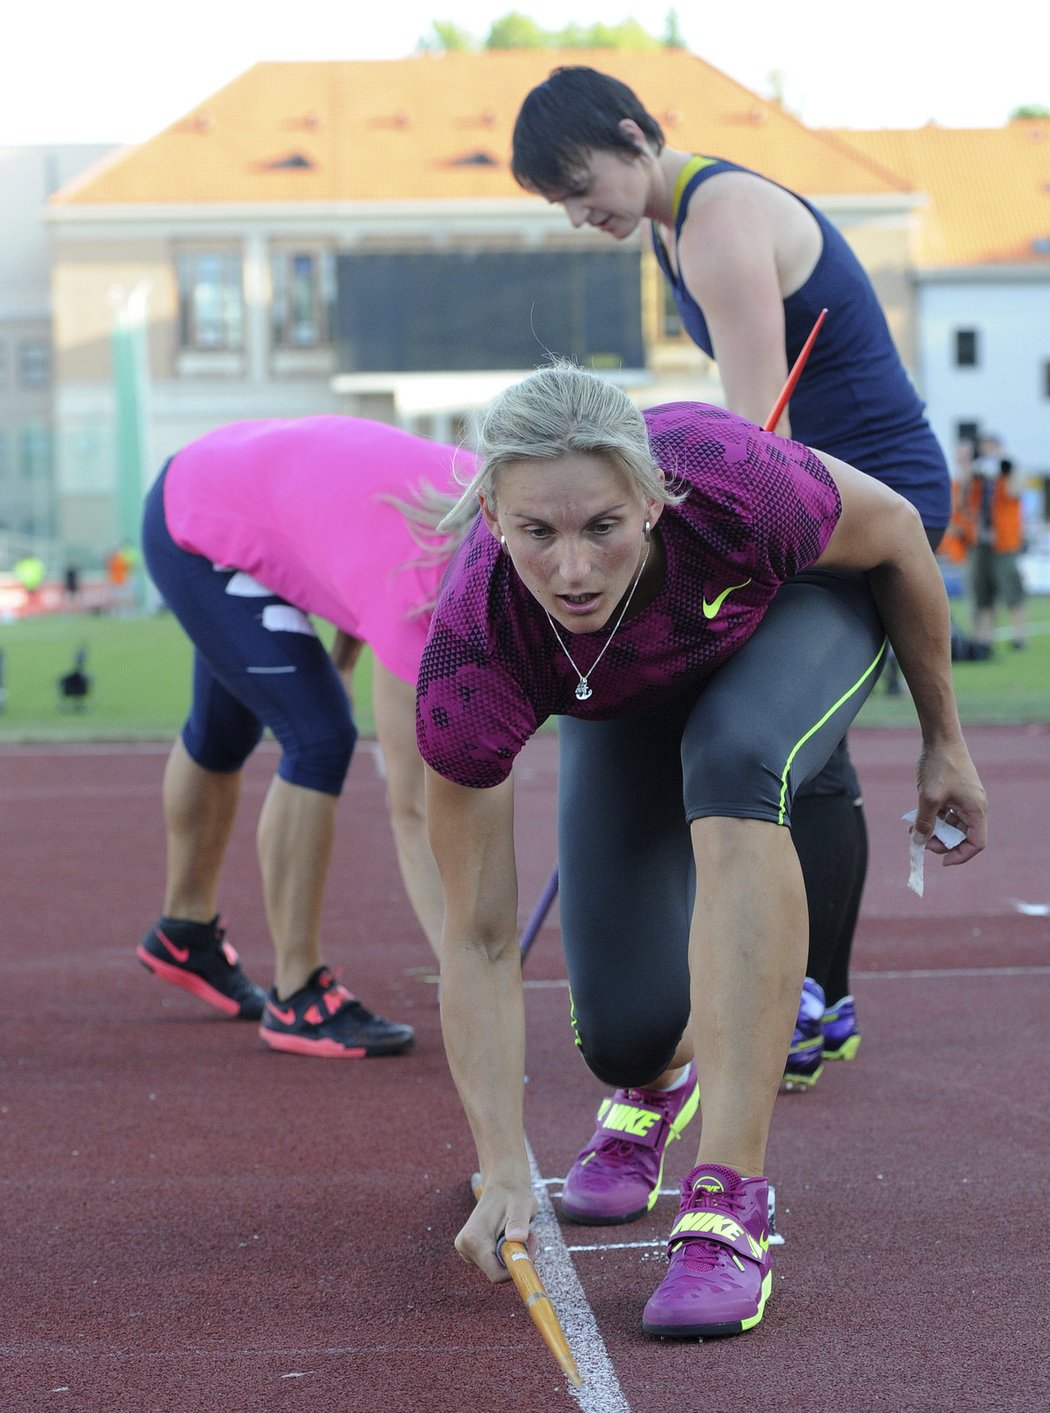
(504, 1209)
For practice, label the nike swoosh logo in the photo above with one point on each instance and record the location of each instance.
(285, 1017)
(711, 609)
(181, 954)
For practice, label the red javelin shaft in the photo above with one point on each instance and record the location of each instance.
(793, 377)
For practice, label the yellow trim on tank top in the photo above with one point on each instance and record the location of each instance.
(685, 176)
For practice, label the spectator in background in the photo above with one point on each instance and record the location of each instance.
(120, 565)
(989, 510)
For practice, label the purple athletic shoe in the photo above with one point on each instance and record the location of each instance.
(720, 1273)
(806, 1057)
(841, 1033)
(616, 1178)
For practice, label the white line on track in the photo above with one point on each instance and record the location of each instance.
(601, 1391)
(620, 1245)
(940, 973)
(86, 748)
(949, 973)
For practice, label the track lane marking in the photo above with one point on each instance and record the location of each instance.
(948, 973)
(600, 1391)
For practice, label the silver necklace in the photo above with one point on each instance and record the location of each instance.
(583, 688)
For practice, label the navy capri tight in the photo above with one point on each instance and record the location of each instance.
(257, 663)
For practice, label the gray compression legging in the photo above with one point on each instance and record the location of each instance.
(739, 747)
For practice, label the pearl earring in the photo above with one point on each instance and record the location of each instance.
(647, 530)
(503, 543)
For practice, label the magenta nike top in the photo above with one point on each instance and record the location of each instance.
(759, 509)
(303, 506)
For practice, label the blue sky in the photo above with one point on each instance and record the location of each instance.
(119, 70)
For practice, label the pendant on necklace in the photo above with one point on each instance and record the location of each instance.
(583, 691)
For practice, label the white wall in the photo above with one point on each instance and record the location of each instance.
(28, 176)
(1006, 393)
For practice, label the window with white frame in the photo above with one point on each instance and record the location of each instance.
(966, 348)
(968, 431)
(303, 282)
(211, 299)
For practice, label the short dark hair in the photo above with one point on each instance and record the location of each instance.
(575, 111)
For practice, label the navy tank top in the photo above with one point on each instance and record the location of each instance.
(854, 399)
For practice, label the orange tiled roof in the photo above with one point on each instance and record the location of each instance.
(439, 126)
(988, 189)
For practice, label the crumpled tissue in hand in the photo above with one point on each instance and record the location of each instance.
(946, 833)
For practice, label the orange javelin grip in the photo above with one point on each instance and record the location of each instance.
(527, 1283)
(793, 377)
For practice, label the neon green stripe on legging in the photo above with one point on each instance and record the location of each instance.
(817, 725)
(572, 1020)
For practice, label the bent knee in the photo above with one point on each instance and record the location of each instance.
(319, 764)
(223, 751)
(626, 1056)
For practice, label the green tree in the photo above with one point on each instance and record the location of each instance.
(775, 80)
(628, 34)
(1030, 110)
(517, 31)
(673, 36)
(447, 38)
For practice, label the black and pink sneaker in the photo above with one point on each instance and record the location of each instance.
(323, 1018)
(720, 1274)
(197, 957)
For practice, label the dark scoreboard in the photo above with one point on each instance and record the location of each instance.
(459, 311)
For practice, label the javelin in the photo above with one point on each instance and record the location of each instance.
(514, 1256)
(550, 891)
(793, 377)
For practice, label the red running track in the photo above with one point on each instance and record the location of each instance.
(192, 1223)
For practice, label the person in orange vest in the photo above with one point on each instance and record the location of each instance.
(955, 547)
(990, 513)
(118, 566)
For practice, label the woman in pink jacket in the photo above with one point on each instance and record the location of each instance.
(247, 532)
